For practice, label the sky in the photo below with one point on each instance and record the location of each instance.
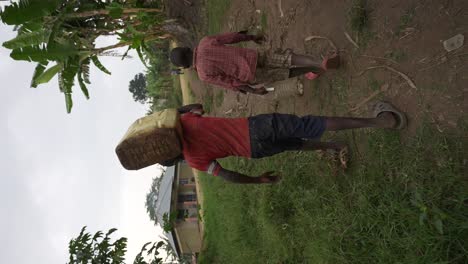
(59, 171)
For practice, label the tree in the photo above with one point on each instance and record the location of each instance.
(98, 249)
(163, 89)
(169, 221)
(137, 87)
(152, 199)
(60, 36)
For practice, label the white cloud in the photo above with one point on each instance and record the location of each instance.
(59, 171)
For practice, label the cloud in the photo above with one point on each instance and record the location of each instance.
(59, 171)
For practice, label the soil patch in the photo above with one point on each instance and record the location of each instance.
(404, 35)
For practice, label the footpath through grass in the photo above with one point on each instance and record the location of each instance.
(398, 203)
(216, 10)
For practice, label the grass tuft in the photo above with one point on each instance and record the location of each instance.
(359, 22)
(406, 19)
(191, 96)
(264, 21)
(208, 101)
(400, 202)
(359, 16)
(216, 14)
(219, 99)
(397, 55)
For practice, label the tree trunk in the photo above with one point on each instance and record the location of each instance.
(123, 44)
(106, 12)
(179, 32)
(118, 45)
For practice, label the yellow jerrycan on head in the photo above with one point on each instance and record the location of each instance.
(151, 139)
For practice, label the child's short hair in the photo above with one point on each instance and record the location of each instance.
(181, 57)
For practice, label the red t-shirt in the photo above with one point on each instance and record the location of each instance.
(223, 65)
(206, 139)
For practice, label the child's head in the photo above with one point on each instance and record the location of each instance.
(182, 57)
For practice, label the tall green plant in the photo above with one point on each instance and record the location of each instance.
(152, 200)
(60, 36)
(99, 249)
(169, 220)
(137, 88)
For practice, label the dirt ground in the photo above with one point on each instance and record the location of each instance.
(187, 99)
(404, 35)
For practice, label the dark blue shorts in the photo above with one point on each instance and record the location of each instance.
(271, 134)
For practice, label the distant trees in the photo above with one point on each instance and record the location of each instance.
(162, 89)
(99, 249)
(167, 220)
(60, 36)
(137, 87)
(152, 199)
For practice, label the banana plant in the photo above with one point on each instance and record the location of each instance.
(99, 249)
(60, 36)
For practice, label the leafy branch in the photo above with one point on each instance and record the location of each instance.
(63, 33)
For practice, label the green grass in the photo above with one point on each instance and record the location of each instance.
(397, 55)
(359, 22)
(373, 83)
(437, 86)
(176, 82)
(190, 93)
(219, 98)
(406, 19)
(212, 98)
(173, 94)
(208, 101)
(264, 21)
(177, 95)
(359, 16)
(216, 14)
(339, 86)
(400, 202)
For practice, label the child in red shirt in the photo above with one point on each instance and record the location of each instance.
(206, 139)
(243, 69)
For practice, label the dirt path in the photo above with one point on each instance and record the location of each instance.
(186, 93)
(187, 98)
(404, 35)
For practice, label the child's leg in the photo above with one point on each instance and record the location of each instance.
(294, 72)
(300, 60)
(309, 145)
(384, 120)
(288, 126)
(282, 132)
(295, 144)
